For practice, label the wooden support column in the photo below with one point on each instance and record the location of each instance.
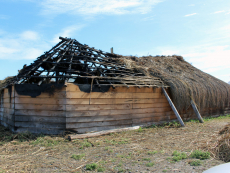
(197, 112)
(173, 107)
(57, 74)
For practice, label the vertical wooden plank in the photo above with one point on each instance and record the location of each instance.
(173, 107)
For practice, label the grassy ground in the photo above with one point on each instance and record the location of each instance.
(169, 148)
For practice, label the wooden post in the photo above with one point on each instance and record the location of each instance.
(173, 107)
(197, 112)
(111, 49)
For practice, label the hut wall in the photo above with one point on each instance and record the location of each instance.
(42, 114)
(70, 108)
(116, 108)
(7, 108)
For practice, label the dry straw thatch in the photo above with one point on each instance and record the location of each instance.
(7, 81)
(186, 82)
(221, 147)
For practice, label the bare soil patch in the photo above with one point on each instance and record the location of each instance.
(143, 150)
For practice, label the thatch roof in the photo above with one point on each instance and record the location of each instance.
(186, 82)
(71, 61)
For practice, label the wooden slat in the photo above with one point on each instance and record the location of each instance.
(6, 92)
(77, 107)
(7, 121)
(8, 100)
(53, 114)
(8, 111)
(113, 118)
(49, 101)
(42, 119)
(98, 118)
(146, 105)
(40, 125)
(116, 112)
(41, 130)
(40, 107)
(112, 95)
(135, 90)
(7, 95)
(8, 105)
(114, 101)
(97, 124)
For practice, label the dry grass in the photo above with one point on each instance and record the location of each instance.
(118, 152)
(220, 144)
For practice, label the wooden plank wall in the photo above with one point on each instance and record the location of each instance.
(72, 109)
(7, 108)
(42, 114)
(119, 107)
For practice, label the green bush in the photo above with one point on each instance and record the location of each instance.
(150, 164)
(195, 163)
(200, 155)
(152, 152)
(91, 166)
(146, 159)
(85, 144)
(100, 169)
(140, 129)
(78, 157)
(177, 156)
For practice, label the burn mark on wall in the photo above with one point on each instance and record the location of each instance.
(34, 90)
(87, 88)
(10, 91)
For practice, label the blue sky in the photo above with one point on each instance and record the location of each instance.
(197, 30)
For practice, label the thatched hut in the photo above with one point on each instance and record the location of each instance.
(75, 87)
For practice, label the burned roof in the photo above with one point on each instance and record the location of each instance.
(71, 61)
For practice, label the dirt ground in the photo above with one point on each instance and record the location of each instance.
(143, 150)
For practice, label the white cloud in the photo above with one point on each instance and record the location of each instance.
(30, 35)
(212, 59)
(92, 7)
(67, 32)
(190, 14)
(12, 46)
(219, 12)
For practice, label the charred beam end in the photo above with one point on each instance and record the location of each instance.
(64, 39)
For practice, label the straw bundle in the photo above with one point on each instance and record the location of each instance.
(221, 147)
